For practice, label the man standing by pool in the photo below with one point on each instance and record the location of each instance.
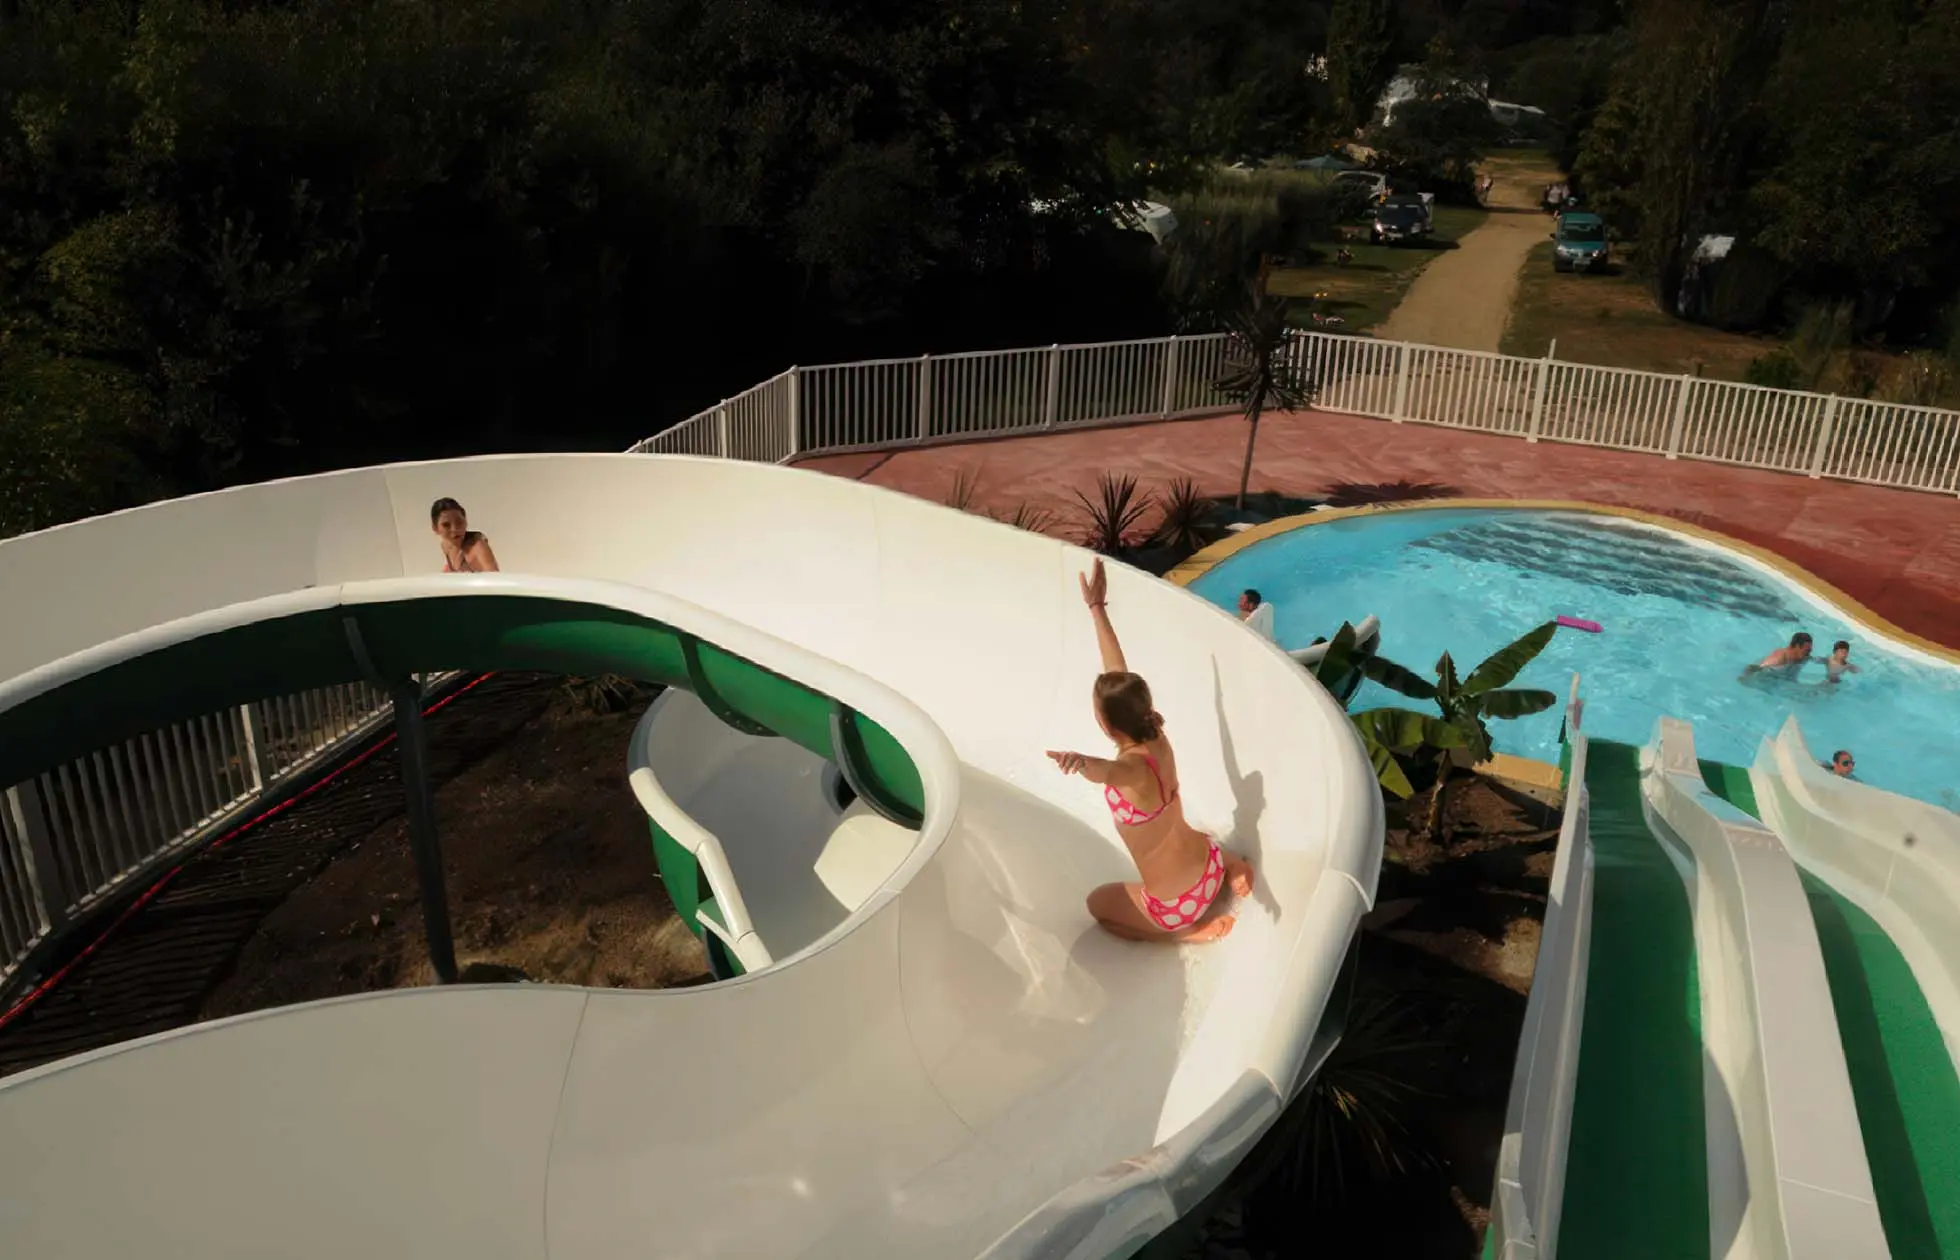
(1257, 613)
(1784, 660)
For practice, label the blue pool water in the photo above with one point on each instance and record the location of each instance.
(1681, 620)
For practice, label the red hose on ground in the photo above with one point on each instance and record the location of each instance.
(149, 894)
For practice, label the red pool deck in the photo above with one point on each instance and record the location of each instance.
(1896, 551)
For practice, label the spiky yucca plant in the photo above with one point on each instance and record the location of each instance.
(1112, 517)
(1036, 520)
(1185, 510)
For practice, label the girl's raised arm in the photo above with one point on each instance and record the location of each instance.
(1095, 593)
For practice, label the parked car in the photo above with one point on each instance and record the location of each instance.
(1402, 218)
(1579, 242)
(1374, 182)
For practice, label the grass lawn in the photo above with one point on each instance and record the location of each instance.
(1611, 319)
(1367, 289)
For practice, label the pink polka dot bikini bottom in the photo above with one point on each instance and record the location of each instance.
(1190, 905)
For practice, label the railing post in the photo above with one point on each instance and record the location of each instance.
(1678, 428)
(1170, 377)
(721, 429)
(925, 397)
(30, 819)
(1541, 375)
(258, 745)
(1052, 406)
(422, 838)
(1398, 406)
(1824, 426)
(795, 411)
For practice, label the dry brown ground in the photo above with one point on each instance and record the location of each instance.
(550, 877)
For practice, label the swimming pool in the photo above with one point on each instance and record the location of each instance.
(1681, 618)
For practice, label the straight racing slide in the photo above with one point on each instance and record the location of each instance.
(1883, 875)
(925, 1048)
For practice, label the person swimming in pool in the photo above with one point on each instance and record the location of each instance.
(1256, 613)
(1838, 663)
(463, 549)
(1184, 870)
(1784, 661)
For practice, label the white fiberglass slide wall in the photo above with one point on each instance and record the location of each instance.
(1531, 1157)
(1897, 858)
(1788, 1177)
(964, 1051)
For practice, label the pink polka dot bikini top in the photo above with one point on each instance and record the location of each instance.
(1126, 813)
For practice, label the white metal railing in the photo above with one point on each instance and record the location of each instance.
(1538, 1117)
(83, 830)
(896, 402)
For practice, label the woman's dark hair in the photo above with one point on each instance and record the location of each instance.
(440, 506)
(1123, 699)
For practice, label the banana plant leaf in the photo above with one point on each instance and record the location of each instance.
(1335, 661)
(1398, 678)
(1446, 683)
(1405, 730)
(1501, 666)
(1388, 771)
(1517, 702)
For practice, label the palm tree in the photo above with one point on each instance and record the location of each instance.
(1261, 371)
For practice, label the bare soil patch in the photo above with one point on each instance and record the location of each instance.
(550, 876)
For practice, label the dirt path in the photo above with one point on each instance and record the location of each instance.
(1463, 299)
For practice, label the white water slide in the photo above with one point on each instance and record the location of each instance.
(956, 1063)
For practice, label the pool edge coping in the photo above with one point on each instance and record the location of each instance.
(1208, 558)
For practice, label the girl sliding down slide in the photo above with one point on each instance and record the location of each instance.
(1183, 870)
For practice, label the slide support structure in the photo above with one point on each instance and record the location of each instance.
(704, 689)
(854, 763)
(407, 696)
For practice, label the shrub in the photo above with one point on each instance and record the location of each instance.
(966, 486)
(1112, 517)
(1777, 370)
(1185, 510)
(605, 693)
(1036, 520)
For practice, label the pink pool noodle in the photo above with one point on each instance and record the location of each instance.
(1579, 623)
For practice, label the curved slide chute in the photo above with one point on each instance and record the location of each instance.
(959, 1065)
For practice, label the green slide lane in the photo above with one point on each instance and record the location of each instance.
(1636, 1181)
(475, 634)
(1902, 1078)
(472, 634)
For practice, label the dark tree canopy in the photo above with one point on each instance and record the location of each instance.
(245, 238)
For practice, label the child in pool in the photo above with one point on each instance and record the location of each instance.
(1839, 663)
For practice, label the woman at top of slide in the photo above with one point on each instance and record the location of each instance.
(1183, 870)
(463, 549)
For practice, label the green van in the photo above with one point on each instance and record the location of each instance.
(1579, 242)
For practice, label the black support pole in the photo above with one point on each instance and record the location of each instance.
(407, 697)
